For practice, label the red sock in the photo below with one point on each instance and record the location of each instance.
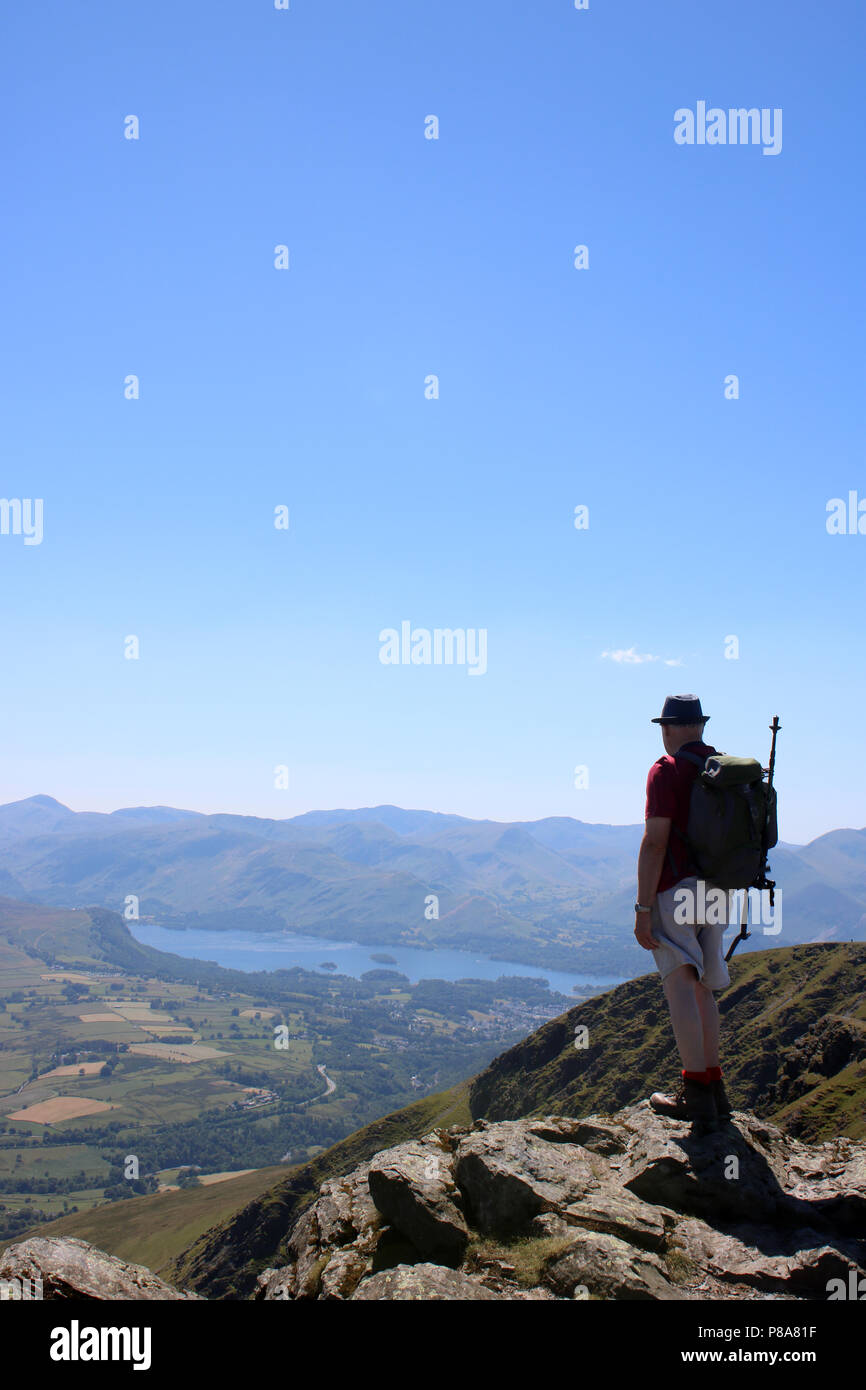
(714, 1073)
(696, 1076)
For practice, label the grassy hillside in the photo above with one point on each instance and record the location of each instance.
(793, 1046)
(153, 1230)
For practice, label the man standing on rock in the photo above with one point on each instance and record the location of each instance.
(689, 954)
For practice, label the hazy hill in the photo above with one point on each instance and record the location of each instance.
(555, 892)
(840, 857)
(41, 815)
(394, 818)
(35, 816)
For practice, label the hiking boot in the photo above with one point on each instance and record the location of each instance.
(723, 1105)
(692, 1100)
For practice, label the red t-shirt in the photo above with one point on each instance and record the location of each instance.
(668, 791)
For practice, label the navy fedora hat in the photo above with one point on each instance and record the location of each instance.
(682, 709)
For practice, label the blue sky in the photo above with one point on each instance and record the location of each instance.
(558, 387)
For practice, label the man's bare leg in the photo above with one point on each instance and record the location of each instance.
(687, 1017)
(709, 1011)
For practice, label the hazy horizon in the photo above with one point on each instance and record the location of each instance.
(372, 806)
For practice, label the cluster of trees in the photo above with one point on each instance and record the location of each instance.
(218, 1140)
(118, 1188)
(72, 992)
(97, 1046)
(21, 1185)
(14, 1220)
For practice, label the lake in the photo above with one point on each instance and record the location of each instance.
(275, 951)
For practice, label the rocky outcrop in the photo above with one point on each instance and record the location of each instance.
(608, 1207)
(413, 1189)
(829, 1045)
(625, 1206)
(67, 1268)
(331, 1247)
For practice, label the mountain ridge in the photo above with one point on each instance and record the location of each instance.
(556, 892)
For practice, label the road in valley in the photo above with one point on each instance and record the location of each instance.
(330, 1086)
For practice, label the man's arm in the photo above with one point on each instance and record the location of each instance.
(649, 867)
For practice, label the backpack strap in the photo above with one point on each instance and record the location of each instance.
(695, 758)
(699, 763)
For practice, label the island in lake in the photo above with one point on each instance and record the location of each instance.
(382, 958)
(328, 965)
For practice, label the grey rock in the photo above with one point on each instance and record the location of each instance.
(343, 1272)
(549, 1225)
(342, 1219)
(617, 1212)
(413, 1189)
(600, 1136)
(802, 1267)
(735, 1172)
(832, 1178)
(345, 1209)
(73, 1269)
(508, 1175)
(608, 1268)
(423, 1282)
(275, 1284)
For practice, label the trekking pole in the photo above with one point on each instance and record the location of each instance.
(744, 925)
(761, 882)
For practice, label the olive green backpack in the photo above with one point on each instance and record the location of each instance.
(732, 819)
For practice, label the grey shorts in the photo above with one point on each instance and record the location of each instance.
(682, 943)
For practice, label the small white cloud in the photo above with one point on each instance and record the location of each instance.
(628, 656)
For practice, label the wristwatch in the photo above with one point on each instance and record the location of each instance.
(638, 907)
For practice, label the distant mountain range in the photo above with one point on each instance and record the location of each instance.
(555, 892)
